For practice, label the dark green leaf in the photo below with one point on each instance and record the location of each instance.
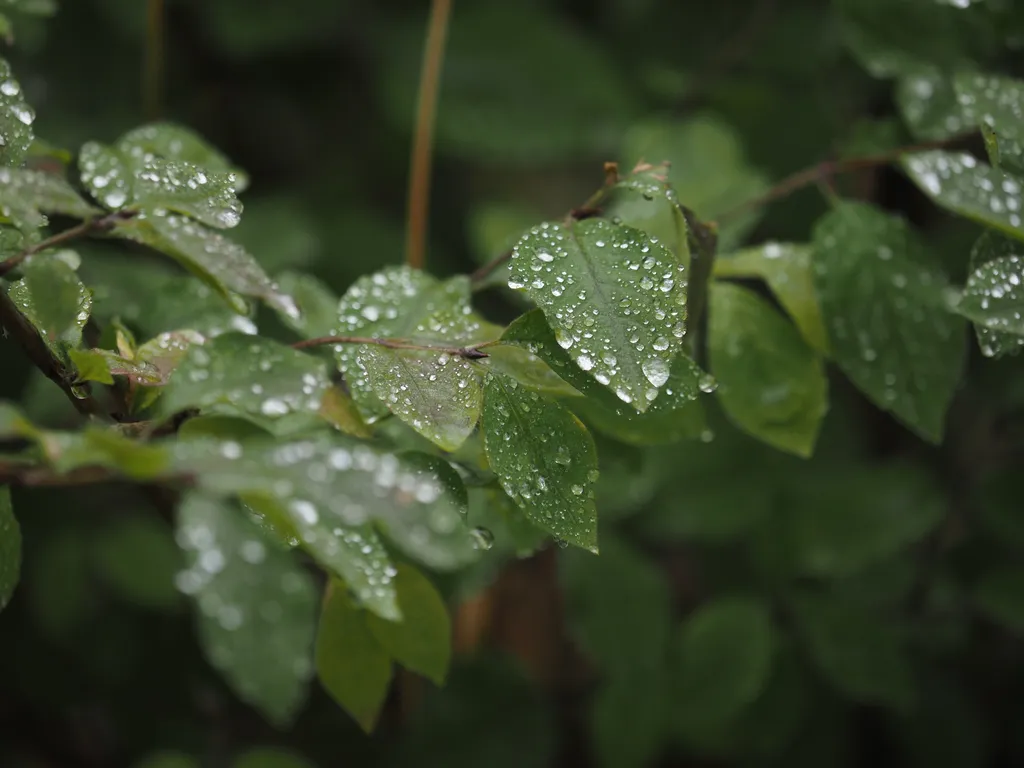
(526, 368)
(98, 447)
(52, 297)
(993, 297)
(991, 100)
(771, 384)
(25, 195)
(1000, 595)
(16, 118)
(137, 558)
(317, 305)
(176, 142)
(885, 310)
(270, 757)
(421, 641)
(350, 663)
(614, 298)
(786, 268)
(10, 548)
(645, 200)
(929, 105)
(544, 458)
(961, 184)
(628, 720)
(256, 606)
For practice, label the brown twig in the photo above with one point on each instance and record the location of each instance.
(470, 353)
(420, 162)
(86, 228)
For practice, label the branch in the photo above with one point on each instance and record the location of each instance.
(86, 228)
(469, 353)
(419, 165)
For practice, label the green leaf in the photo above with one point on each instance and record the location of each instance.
(771, 384)
(786, 268)
(136, 180)
(884, 306)
(993, 298)
(137, 558)
(959, 183)
(628, 721)
(317, 305)
(526, 368)
(999, 594)
(221, 263)
(859, 654)
(52, 297)
(16, 118)
(270, 757)
(993, 101)
(350, 663)
(674, 414)
(162, 354)
(1005, 154)
(91, 365)
(928, 102)
(645, 200)
(256, 606)
(340, 411)
(99, 447)
(544, 458)
(176, 142)
(723, 660)
(10, 548)
(246, 374)
(614, 298)
(421, 641)
(26, 194)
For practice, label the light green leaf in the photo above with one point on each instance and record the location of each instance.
(317, 306)
(786, 268)
(959, 183)
(99, 447)
(92, 365)
(16, 118)
(1003, 153)
(544, 458)
(614, 298)
(52, 297)
(528, 369)
(421, 641)
(1000, 595)
(860, 654)
(136, 180)
(351, 664)
(176, 142)
(992, 100)
(10, 548)
(250, 375)
(25, 195)
(223, 264)
(770, 383)
(993, 297)
(884, 306)
(137, 558)
(723, 660)
(928, 102)
(256, 606)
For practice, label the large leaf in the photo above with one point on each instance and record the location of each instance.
(993, 297)
(25, 195)
(252, 375)
(52, 297)
(614, 297)
(176, 142)
(16, 118)
(961, 184)
(993, 101)
(884, 307)
(256, 605)
(929, 105)
(786, 268)
(421, 641)
(10, 548)
(544, 458)
(770, 383)
(350, 663)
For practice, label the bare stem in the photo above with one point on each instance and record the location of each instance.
(420, 163)
(470, 353)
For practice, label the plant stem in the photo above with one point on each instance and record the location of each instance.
(152, 87)
(423, 139)
(470, 353)
(86, 228)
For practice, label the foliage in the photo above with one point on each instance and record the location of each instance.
(751, 454)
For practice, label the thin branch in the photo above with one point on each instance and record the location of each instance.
(152, 86)
(86, 228)
(469, 353)
(828, 168)
(420, 162)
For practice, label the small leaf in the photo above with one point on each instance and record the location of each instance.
(993, 297)
(351, 664)
(10, 548)
(163, 353)
(256, 606)
(1000, 595)
(885, 309)
(52, 297)
(1005, 154)
(770, 383)
(137, 558)
(614, 298)
(959, 183)
(25, 195)
(317, 305)
(421, 641)
(526, 368)
(91, 365)
(16, 118)
(786, 268)
(175, 142)
(544, 458)
(251, 375)
(338, 409)
(723, 660)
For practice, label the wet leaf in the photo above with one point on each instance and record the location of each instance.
(544, 458)
(99, 447)
(137, 558)
(526, 368)
(614, 298)
(256, 606)
(1005, 154)
(317, 306)
(421, 641)
(16, 118)
(176, 142)
(247, 374)
(992, 100)
(770, 383)
(786, 268)
(350, 663)
(993, 297)
(1000, 595)
(92, 365)
(164, 352)
(959, 183)
(884, 307)
(52, 297)
(10, 548)
(25, 195)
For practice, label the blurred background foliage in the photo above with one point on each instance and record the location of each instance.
(748, 608)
